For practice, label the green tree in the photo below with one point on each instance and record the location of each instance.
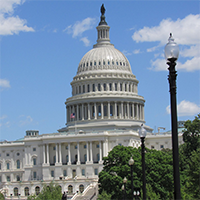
(159, 174)
(50, 192)
(1, 196)
(191, 136)
(104, 196)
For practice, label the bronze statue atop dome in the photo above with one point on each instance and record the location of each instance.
(103, 9)
(103, 21)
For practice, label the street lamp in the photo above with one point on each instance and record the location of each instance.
(142, 133)
(131, 162)
(125, 181)
(171, 55)
(136, 194)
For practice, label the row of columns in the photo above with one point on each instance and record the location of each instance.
(93, 87)
(106, 110)
(89, 152)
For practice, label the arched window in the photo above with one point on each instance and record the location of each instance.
(26, 191)
(37, 190)
(15, 191)
(18, 164)
(70, 189)
(81, 188)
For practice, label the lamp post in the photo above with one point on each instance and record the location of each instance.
(136, 194)
(142, 133)
(131, 162)
(124, 181)
(171, 55)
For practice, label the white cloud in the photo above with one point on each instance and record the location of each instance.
(80, 27)
(136, 51)
(4, 83)
(186, 108)
(85, 41)
(10, 24)
(126, 53)
(186, 32)
(26, 120)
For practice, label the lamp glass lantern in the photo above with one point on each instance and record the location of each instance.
(171, 49)
(142, 131)
(131, 161)
(125, 180)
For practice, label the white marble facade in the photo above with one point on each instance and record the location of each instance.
(108, 112)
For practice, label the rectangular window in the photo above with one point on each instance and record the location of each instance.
(161, 146)
(85, 146)
(34, 161)
(95, 171)
(75, 146)
(64, 172)
(97, 145)
(115, 86)
(88, 88)
(83, 172)
(8, 178)
(34, 149)
(8, 165)
(7, 154)
(52, 173)
(83, 88)
(54, 148)
(99, 87)
(152, 147)
(34, 175)
(110, 85)
(93, 87)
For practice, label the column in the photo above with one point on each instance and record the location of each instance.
(78, 154)
(102, 111)
(47, 153)
(56, 153)
(95, 111)
(69, 155)
(133, 113)
(108, 110)
(44, 160)
(137, 113)
(70, 112)
(128, 110)
(91, 157)
(100, 152)
(26, 156)
(115, 109)
(122, 112)
(82, 112)
(60, 153)
(87, 152)
(143, 112)
(131, 90)
(89, 111)
(77, 112)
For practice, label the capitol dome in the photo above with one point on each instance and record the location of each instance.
(104, 90)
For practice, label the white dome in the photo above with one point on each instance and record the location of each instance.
(104, 57)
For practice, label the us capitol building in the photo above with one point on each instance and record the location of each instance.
(104, 110)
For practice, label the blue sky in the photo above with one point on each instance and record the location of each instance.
(42, 43)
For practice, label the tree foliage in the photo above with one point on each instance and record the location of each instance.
(1, 196)
(159, 174)
(50, 192)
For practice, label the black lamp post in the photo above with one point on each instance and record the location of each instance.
(131, 162)
(171, 55)
(142, 133)
(124, 181)
(136, 194)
